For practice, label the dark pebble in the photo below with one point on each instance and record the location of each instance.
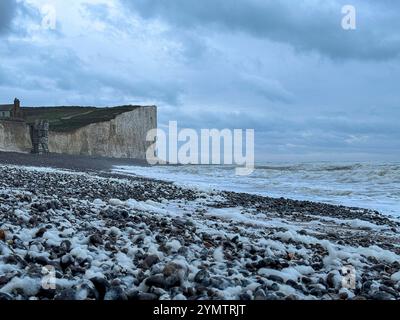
(116, 293)
(381, 295)
(202, 277)
(67, 294)
(5, 297)
(147, 296)
(150, 260)
(101, 285)
(158, 281)
(275, 278)
(95, 240)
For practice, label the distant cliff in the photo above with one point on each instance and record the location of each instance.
(14, 136)
(122, 137)
(112, 132)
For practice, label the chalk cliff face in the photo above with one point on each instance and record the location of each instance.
(14, 136)
(122, 137)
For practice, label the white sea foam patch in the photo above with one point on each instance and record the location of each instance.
(366, 185)
(45, 169)
(237, 215)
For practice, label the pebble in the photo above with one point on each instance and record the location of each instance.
(66, 294)
(381, 295)
(95, 240)
(260, 295)
(150, 260)
(202, 277)
(40, 232)
(173, 268)
(116, 293)
(275, 278)
(2, 235)
(146, 296)
(5, 296)
(65, 246)
(101, 285)
(151, 252)
(156, 281)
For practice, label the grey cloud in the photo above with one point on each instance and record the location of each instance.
(8, 10)
(15, 16)
(49, 68)
(225, 64)
(306, 27)
(301, 133)
(270, 89)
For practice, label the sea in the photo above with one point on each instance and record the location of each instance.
(366, 185)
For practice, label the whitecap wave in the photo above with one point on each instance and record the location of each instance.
(367, 185)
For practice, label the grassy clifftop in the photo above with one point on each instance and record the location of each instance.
(66, 119)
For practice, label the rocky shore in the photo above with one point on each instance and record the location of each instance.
(69, 235)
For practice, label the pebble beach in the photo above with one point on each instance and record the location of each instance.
(97, 235)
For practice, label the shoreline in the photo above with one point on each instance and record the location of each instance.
(137, 238)
(64, 161)
(104, 166)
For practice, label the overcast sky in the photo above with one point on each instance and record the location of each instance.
(309, 88)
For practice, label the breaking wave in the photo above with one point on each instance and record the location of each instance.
(367, 185)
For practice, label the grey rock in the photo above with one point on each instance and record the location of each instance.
(66, 294)
(359, 298)
(275, 278)
(40, 232)
(294, 284)
(48, 294)
(95, 240)
(174, 268)
(274, 287)
(306, 280)
(147, 296)
(150, 260)
(116, 293)
(65, 246)
(173, 281)
(4, 280)
(366, 286)
(156, 281)
(330, 280)
(381, 295)
(260, 295)
(389, 290)
(66, 261)
(202, 277)
(5, 297)
(316, 292)
(271, 296)
(244, 296)
(101, 285)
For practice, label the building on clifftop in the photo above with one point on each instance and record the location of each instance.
(11, 111)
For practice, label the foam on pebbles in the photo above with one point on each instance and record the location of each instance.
(69, 235)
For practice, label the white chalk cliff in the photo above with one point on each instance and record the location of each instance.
(122, 137)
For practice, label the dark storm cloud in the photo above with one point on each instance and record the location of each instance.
(15, 16)
(306, 25)
(8, 10)
(257, 64)
(50, 68)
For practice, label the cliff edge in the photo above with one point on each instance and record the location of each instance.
(118, 132)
